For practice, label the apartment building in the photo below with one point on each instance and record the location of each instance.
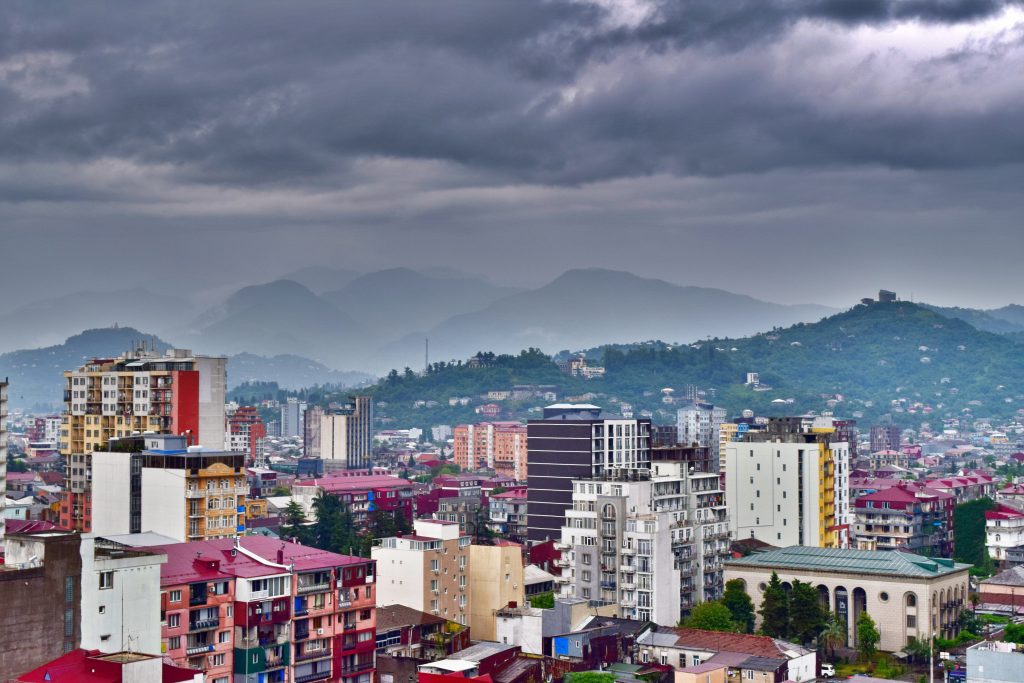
(361, 495)
(495, 581)
(500, 446)
(141, 391)
(572, 442)
(905, 517)
(245, 434)
(508, 514)
(427, 571)
(257, 610)
(652, 542)
(699, 424)
(1004, 531)
(786, 484)
(293, 417)
(346, 435)
(157, 483)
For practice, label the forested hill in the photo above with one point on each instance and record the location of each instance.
(896, 358)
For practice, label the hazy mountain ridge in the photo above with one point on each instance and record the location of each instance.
(1005, 320)
(592, 307)
(855, 363)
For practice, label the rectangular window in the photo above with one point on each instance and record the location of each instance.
(69, 622)
(174, 642)
(175, 596)
(69, 589)
(217, 660)
(173, 621)
(106, 580)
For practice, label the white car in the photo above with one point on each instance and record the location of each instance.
(828, 671)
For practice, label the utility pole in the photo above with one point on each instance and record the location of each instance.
(931, 658)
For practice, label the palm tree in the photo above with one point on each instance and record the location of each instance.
(833, 634)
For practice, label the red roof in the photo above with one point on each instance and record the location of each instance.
(1004, 512)
(364, 483)
(516, 493)
(91, 666)
(719, 641)
(212, 560)
(30, 526)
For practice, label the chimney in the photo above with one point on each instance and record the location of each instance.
(280, 555)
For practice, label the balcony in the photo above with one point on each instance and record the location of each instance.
(310, 655)
(193, 494)
(317, 676)
(627, 551)
(628, 603)
(301, 634)
(562, 562)
(628, 586)
(203, 625)
(198, 649)
(356, 668)
(315, 587)
(627, 569)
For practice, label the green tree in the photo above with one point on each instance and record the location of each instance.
(589, 677)
(867, 636)
(280, 490)
(543, 600)
(969, 522)
(711, 616)
(917, 650)
(740, 605)
(834, 634)
(806, 615)
(294, 519)
(775, 609)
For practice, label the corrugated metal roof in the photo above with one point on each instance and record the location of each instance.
(849, 560)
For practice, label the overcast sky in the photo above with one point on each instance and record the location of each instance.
(796, 150)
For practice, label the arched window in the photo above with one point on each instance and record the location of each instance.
(608, 511)
(911, 600)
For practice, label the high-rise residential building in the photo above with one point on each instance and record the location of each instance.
(141, 391)
(885, 438)
(495, 581)
(577, 441)
(3, 453)
(256, 609)
(500, 446)
(311, 431)
(246, 433)
(428, 570)
(157, 483)
(653, 545)
(346, 435)
(698, 424)
(785, 485)
(293, 416)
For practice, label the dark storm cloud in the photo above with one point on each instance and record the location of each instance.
(292, 92)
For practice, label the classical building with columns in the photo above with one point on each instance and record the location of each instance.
(908, 596)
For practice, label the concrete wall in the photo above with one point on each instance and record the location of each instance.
(995, 662)
(495, 581)
(163, 502)
(45, 600)
(111, 493)
(125, 616)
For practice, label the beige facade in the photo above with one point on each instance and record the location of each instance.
(703, 674)
(908, 596)
(495, 581)
(428, 571)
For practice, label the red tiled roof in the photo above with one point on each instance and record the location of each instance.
(718, 641)
(1004, 512)
(517, 493)
(92, 666)
(212, 560)
(30, 526)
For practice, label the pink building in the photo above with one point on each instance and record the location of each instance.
(263, 610)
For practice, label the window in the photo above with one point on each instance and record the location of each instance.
(223, 636)
(750, 674)
(911, 621)
(106, 580)
(175, 596)
(103, 609)
(69, 589)
(173, 621)
(69, 622)
(174, 642)
(217, 660)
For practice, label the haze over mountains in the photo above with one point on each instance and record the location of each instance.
(326, 325)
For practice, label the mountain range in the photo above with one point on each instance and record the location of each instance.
(347, 320)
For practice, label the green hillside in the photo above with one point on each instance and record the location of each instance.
(869, 356)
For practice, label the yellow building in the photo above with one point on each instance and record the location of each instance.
(495, 582)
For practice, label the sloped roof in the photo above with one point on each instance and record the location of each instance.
(396, 616)
(719, 641)
(1014, 576)
(849, 560)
